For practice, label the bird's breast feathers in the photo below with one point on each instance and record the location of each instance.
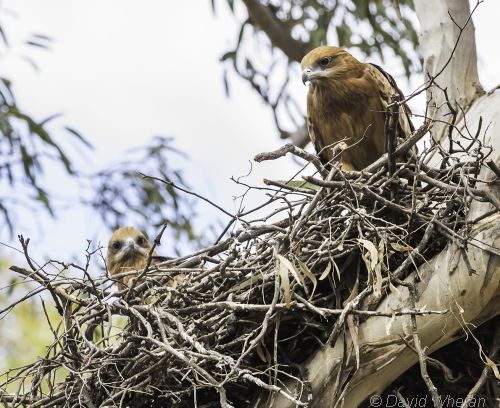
(348, 101)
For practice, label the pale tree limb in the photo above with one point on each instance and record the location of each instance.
(445, 282)
(383, 352)
(447, 31)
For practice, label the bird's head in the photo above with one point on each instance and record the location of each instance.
(326, 63)
(125, 246)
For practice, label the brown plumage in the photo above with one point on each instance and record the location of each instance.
(128, 250)
(347, 101)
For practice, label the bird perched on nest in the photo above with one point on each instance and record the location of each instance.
(348, 101)
(129, 250)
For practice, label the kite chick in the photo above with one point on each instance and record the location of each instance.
(128, 250)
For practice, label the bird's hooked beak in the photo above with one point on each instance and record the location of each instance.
(306, 75)
(312, 74)
(129, 246)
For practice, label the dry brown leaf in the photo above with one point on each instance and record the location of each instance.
(395, 291)
(400, 248)
(353, 331)
(326, 271)
(337, 270)
(493, 366)
(261, 353)
(284, 282)
(371, 256)
(377, 284)
(291, 268)
(307, 272)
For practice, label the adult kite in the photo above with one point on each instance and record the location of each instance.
(349, 101)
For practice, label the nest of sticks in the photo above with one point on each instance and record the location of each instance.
(264, 297)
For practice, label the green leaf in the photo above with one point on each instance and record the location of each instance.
(4, 36)
(44, 199)
(6, 217)
(226, 83)
(228, 55)
(79, 136)
(37, 44)
(42, 37)
(301, 184)
(49, 118)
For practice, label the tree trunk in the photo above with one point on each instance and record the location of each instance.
(442, 37)
(446, 281)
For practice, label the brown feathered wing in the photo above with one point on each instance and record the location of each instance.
(391, 93)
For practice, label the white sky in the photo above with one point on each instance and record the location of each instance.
(123, 71)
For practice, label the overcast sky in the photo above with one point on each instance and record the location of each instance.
(123, 71)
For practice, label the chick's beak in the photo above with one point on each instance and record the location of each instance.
(305, 75)
(129, 245)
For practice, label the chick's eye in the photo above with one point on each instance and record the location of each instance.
(116, 245)
(324, 61)
(141, 240)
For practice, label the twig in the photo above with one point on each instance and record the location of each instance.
(156, 242)
(297, 151)
(495, 346)
(422, 357)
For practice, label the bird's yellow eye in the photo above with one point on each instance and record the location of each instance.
(116, 245)
(325, 61)
(141, 241)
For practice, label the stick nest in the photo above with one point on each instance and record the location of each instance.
(262, 299)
